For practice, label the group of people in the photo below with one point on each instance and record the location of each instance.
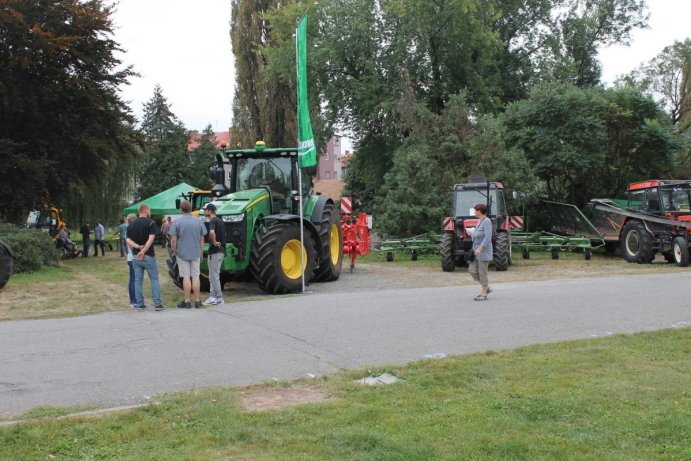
(99, 238)
(186, 235)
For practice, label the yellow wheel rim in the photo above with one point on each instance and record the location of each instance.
(335, 248)
(290, 259)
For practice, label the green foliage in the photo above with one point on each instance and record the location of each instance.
(202, 157)
(489, 156)
(590, 142)
(167, 162)
(32, 249)
(410, 201)
(264, 103)
(64, 130)
(586, 26)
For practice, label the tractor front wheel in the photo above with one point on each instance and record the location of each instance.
(636, 243)
(502, 251)
(448, 263)
(278, 258)
(680, 250)
(331, 242)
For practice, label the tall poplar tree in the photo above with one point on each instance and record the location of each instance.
(264, 107)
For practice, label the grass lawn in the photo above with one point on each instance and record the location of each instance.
(616, 398)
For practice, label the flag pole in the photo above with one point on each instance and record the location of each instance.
(306, 147)
(302, 236)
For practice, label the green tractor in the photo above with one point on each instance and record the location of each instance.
(257, 197)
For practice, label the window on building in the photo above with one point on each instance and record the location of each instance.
(335, 174)
(327, 174)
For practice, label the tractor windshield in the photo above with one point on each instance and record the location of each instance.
(675, 199)
(271, 173)
(465, 201)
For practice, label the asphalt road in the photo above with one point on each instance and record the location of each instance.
(126, 357)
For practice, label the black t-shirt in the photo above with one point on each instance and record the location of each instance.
(216, 224)
(85, 231)
(139, 232)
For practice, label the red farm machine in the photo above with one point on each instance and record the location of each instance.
(355, 232)
(456, 242)
(655, 219)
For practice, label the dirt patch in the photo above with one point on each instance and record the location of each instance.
(262, 399)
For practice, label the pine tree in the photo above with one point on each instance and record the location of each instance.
(168, 161)
(202, 158)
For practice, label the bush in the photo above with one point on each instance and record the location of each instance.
(32, 248)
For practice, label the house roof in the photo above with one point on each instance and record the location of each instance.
(222, 137)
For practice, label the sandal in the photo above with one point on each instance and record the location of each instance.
(480, 298)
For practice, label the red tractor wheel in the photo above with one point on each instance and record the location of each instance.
(448, 263)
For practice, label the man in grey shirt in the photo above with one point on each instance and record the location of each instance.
(187, 243)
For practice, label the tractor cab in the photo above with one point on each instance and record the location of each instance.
(260, 169)
(466, 196)
(671, 198)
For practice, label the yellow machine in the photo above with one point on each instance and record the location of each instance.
(47, 219)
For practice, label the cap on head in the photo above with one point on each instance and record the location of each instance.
(210, 207)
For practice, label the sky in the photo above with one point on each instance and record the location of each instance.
(186, 49)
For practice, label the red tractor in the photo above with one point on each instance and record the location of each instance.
(657, 218)
(456, 242)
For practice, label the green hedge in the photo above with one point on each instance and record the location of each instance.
(32, 249)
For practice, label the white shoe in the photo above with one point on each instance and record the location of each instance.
(218, 301)
(210, 301)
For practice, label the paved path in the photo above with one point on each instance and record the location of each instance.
(125, 357)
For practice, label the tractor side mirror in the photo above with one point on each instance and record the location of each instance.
(177, 203)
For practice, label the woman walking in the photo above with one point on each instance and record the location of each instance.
(482, 251)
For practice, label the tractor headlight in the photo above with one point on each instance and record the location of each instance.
(233, 217)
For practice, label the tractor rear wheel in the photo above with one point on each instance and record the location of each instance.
(502, 251)
(5, 265)
(448, 263)
(680, 250)
(637, 243)
(275, 261)
(331, 242)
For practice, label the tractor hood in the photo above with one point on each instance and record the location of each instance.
(239, 202)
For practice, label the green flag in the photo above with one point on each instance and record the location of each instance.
(306, 150)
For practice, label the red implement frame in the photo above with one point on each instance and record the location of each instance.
(356, 238)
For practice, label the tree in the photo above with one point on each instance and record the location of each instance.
(167, 162)
(64, 131)
(264, 106)
(202, 157)
(587, 25)
(668, 77)
(590, 142)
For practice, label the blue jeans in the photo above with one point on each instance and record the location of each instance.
(147, 264)
(133, 297)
